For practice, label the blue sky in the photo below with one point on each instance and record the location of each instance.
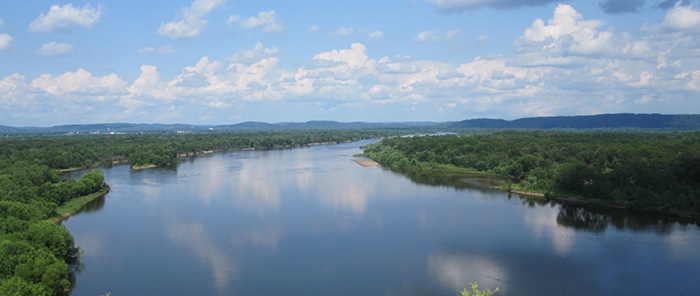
(227, 61)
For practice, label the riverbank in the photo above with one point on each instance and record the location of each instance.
(563, 198)
(72, 206)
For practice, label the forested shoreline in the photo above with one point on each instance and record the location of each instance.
(656, 172)
(141, 150)
(39, 254)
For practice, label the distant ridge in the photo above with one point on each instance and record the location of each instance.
(602, 121)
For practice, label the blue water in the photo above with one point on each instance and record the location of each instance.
(309, 221)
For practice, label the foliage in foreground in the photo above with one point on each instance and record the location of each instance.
(476, 292)
(656, 172)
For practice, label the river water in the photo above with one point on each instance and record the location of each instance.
(309, 221)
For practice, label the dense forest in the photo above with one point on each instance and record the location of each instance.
(38, 253)
(66, 152)
(654, 172)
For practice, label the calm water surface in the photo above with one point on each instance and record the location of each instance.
(310, 221)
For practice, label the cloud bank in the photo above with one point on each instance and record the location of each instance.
(564, 65)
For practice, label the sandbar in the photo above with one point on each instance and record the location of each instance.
(365, 163)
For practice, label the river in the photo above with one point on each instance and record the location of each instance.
(309, 221)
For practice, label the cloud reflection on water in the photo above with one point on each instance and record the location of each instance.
(543, 224)
(457, 271)
(194, 236)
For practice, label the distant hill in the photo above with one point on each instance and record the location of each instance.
(603, 121)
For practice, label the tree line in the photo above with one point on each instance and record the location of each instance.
(657, 172)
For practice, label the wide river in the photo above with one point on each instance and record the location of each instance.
(310, 221)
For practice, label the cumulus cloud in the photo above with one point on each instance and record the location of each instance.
(14, 91)
(55, 49)
(683, 18)
(192, 22)
(376, 35)
(566, 65)
(461, 5)
(267, 20)
(82, 84)
(342, 32)
(258, 52)
(5, 41)
(165, 49)
(565, 34)
(66, 17)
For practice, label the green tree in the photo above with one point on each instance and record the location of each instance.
(476, 292)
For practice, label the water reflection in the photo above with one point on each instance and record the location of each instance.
(479, 182)
(196, 238)
(598, 220)
(311, 222)
(542, 225)
(456, 271)
(93, 206)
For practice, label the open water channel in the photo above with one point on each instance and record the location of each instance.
(309, 221)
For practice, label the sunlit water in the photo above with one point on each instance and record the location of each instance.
(310, 221)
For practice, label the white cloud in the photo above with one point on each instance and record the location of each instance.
(267, 20)
(2, 22)
(192, 21)
(566, 33)
(5, 41)
(376, 35)
(253, 55)
(55, 49)
(14, 91)
(313, 28)
(165, 49)
(683, 18)
(148, 84)
(425, 36)
(81, 84)
(564, 66)
(342, 32)
(354, 57)
(66, 17)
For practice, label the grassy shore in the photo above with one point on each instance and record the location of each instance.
(74, 205)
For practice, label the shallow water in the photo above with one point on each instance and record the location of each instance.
(309, 221)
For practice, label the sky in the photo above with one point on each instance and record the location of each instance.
(229, 61)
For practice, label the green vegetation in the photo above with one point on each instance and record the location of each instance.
(654, 172)
(37, 252)
(74, 205)
(71, 152)
(476, 292)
